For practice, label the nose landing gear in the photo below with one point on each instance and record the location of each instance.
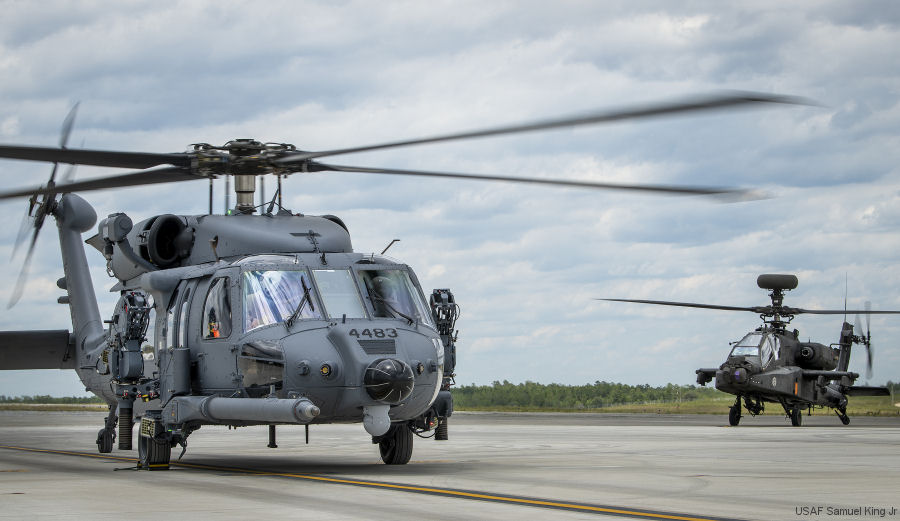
(396, 444)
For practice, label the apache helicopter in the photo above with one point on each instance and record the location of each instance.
(772, 365)
(261, 316)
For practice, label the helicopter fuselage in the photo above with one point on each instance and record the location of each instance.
(207, 333)
(772, 365)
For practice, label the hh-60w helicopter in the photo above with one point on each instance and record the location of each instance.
(261, 316)
(771, 364)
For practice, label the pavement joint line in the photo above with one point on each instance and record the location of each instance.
(445, 492)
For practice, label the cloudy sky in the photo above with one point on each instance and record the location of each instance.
(524, 262)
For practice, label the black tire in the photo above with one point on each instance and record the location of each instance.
(734, 416)
(105, 440)
(153, 454)
(844, 418)
(796, 417)
(441, 432)
(396, 445)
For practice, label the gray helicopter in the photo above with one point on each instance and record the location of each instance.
(772, 365)
(261, 316)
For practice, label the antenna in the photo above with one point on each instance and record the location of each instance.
(389, 246)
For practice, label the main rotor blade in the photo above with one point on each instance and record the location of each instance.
(93, 157)
(143, 177)
(800, 311)
(682, 304)
(706, 103)
(727, 194)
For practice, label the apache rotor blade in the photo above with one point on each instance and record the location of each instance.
(870, 349)
(144, 177)
(683, 304)
(93, 157)
(868, 307)
(707, 103)
(725, 194)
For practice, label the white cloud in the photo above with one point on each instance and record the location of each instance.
(524, 262)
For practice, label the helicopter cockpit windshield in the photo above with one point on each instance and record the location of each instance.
(273, 296)
(393, 295)
(756, 344)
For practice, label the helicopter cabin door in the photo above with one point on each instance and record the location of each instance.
(213, 333)
(175, 335)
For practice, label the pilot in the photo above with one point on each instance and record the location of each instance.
(213, 324)
(388, 294)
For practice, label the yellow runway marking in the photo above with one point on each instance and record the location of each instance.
(446, 492)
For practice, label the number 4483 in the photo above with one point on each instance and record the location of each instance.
(374, 333)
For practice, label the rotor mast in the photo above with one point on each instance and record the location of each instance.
(247, 162)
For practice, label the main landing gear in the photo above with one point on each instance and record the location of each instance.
(796, 416)
(842, 414)
(154, 447)
(754, 407)
(734, 414)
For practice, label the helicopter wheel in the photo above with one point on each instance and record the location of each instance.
(734, 415)
(796, 416)
(397, 444)
(105, 439)
(153, 454)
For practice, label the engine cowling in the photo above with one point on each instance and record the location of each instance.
(810, 355)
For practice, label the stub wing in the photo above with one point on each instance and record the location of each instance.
(864, 390)
(37, 350)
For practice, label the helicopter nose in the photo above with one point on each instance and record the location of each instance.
(389, 380)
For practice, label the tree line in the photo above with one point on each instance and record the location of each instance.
(557, 396)
(526, 395)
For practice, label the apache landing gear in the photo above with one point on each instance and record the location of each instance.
(842, 414)
(734, 413)
(796, 416)
(754, 407)
(396, 444)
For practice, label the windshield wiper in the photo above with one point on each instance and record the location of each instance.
(395, 310)
(374, 295)
(306, 298)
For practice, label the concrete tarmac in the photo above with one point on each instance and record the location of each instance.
(495, 466)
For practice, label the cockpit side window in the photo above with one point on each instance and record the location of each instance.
(169, 331)
(183, 317)
(217, 310)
